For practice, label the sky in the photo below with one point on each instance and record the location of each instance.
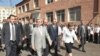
(8, 3)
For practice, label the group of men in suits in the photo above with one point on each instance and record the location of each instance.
(90, 33)
(40, 38)
(37, 37)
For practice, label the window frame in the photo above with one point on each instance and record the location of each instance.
(74, 10)
(60, 13)
(50, 15)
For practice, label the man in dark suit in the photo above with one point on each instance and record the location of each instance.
(9, 37)
(27, 33)
(53, 32)
(82, 35)
(20, 35)
(0, 39)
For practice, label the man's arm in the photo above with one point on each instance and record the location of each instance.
(48, 37)
(32, 40)
(2, 36)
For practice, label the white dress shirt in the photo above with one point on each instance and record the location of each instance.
(40, 29)
(97, 29)
(91, 30)
(59, 30)
(69, 36)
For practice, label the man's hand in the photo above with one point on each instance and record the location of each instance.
(50, 43)
(33, 48)
(24, 38)
(78, 41)
(3, 46)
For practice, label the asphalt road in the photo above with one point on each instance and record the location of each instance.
(91, 50)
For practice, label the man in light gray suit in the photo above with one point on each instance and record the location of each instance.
(39, 36)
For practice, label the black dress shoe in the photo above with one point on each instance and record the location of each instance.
(83, 51)
(79, 46)
(33, 55)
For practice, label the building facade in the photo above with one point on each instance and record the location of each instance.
(62, 10)
(6, 11)
(26, 8)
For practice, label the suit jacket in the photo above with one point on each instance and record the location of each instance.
(27, 30)
(53, 32)
(39, 40)
(81, 31)
(6, 34)
(20, 32)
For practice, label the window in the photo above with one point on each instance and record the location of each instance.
(27, 7)
(49, 16)
(23, 7)
(14, 12)
(36, 15)
(75, 14)
(61, 15)
(4, 18)
(19, 9)
(3, 11)
(95, 8)
(49, 1)
(36, 3)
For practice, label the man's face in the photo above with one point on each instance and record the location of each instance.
(20, 20)
(45, 22)
(55, 21)
(71, 28)
(31, 21)
(12, 19)
(39, 22)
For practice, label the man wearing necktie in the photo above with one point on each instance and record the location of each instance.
(82, 36)
(39, 36)
(53, 32)
(9, 34)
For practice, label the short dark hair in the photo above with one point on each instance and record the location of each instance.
(11, 16)
(70, 24)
